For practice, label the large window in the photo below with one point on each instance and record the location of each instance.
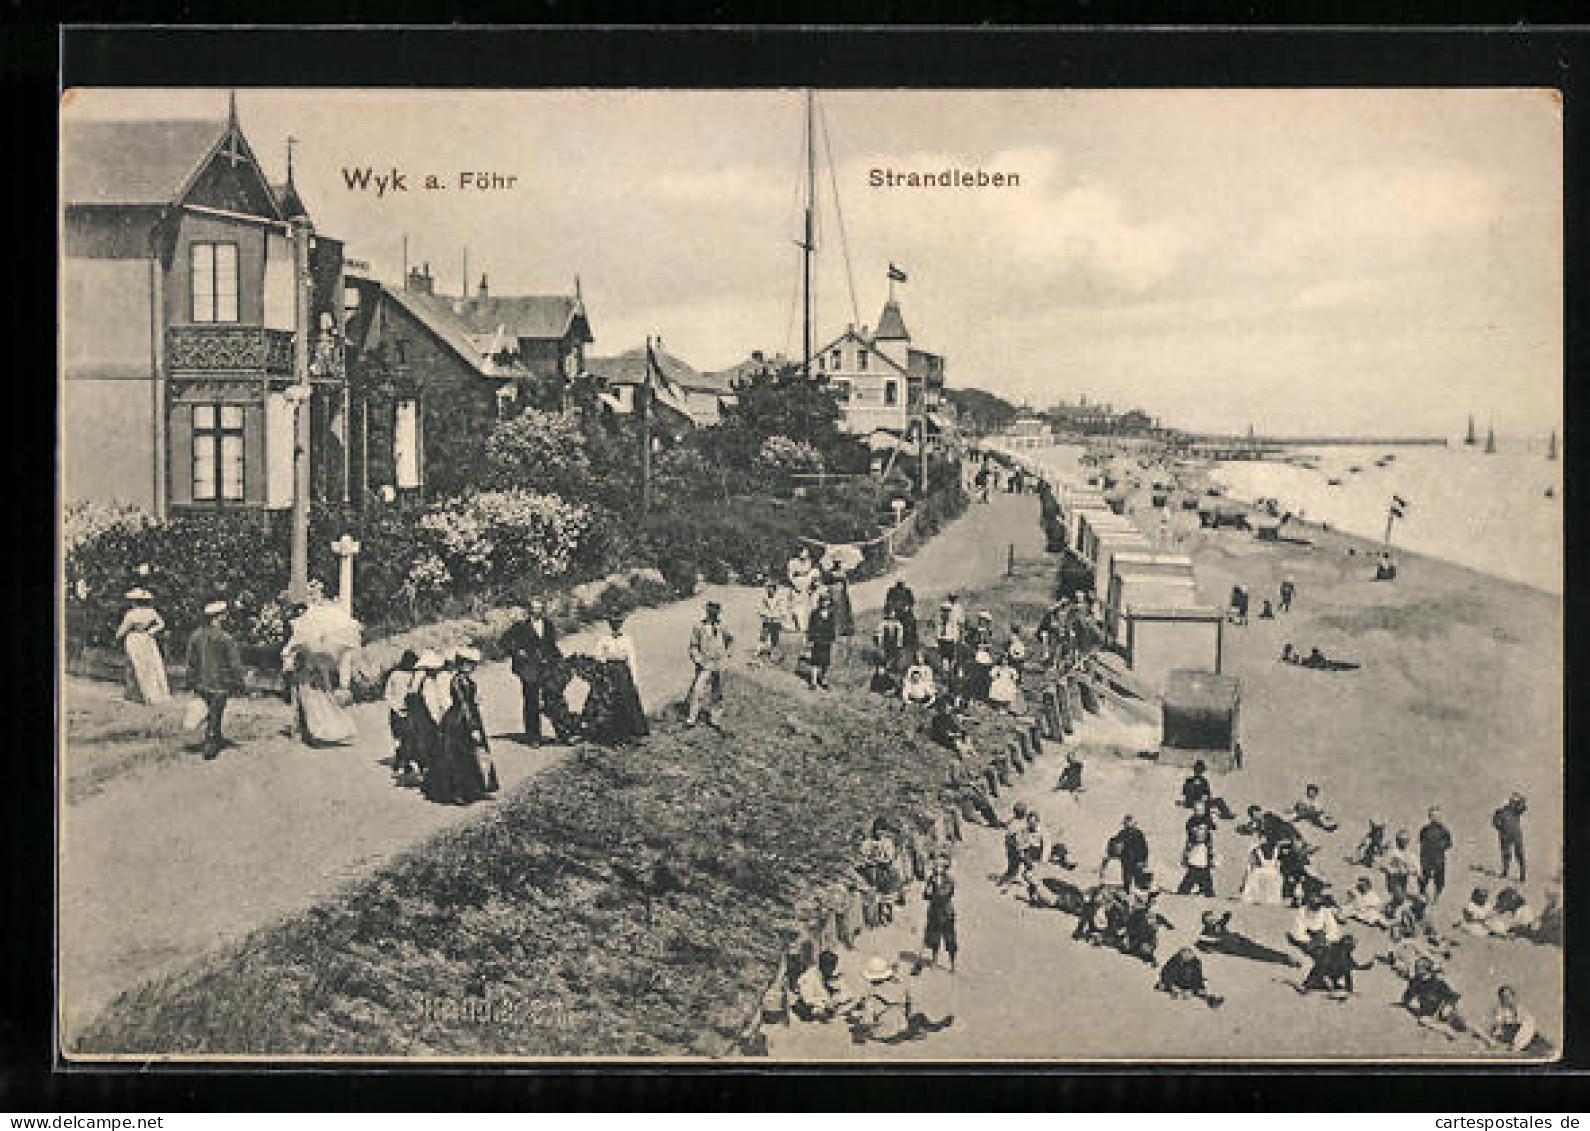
(217, 453)
(214, 282)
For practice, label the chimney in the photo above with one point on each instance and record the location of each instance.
(483, 292)
(756, 356)
(419, 279)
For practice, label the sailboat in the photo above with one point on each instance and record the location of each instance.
(1551, 446)
(1490, 441)
(1469, 439)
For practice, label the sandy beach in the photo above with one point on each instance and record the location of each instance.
(1456, 703)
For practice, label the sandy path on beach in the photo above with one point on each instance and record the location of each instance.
(1445, 710)
(176, 859)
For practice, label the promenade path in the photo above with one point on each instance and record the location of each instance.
(171, 861)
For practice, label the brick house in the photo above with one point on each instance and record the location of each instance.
(177, 318)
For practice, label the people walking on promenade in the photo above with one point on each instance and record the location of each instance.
(820, 632)
(1288, 591)
(1435, 841)
(400, 681)
(802, 574)
(322, 634)
(710, 643)
(900, 601)
(613, 712)
(429, 697)
(468, 773)
(537, 662)
(1508, 821)
(215, 672)
(771, 611)
(139, 636)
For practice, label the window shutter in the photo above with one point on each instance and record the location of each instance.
(181, 441)
(254, 469)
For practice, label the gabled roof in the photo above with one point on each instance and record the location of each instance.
(629, 368)
(527, 316)
(288, 200)
(149, 162)
(436, 315)
(723, 381)
(869, 344)
(891, 326)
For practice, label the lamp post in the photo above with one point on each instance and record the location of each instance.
(298, 394)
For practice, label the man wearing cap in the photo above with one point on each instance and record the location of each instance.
(709, 652)
(1508, 821)
(215, 671)
(537, 660)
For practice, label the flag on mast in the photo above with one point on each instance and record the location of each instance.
(895, 274)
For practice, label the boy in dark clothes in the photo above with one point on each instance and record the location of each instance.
(1182, 976)
(1333, 968)
(1197, 788)
(1435, 841)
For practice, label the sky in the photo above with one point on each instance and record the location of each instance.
(1306, 262)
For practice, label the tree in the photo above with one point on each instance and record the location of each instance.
(539, 451)
(782, 403)
(980, 411)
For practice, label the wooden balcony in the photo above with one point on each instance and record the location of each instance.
(228, 349)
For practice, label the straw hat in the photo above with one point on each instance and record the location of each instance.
(430, 660)
(467, 654)
(215, 608)
(878, 969)
(140, 595)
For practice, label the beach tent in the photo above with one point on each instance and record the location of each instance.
(1200, 718)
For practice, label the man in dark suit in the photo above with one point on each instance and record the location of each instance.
(215, 672)
(532, 645)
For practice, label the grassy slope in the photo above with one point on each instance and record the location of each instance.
(627, 903)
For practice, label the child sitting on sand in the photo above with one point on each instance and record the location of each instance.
(1432, 1000)
(1365, 905)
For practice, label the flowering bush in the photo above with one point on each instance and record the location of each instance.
(495, 541)
(539, 451)
(780, 458)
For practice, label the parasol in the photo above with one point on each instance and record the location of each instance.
(326, 628)
(843, 558)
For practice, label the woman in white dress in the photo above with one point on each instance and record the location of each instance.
(802, 579)
(1262, 884)
(613, 713)
(321, 636)
(146, 669)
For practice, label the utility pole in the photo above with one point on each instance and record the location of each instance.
(302, 231)
(808, 244)
(643, 416)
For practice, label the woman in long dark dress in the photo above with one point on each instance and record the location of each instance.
(428, 698)
(613, 712)
(471, 774)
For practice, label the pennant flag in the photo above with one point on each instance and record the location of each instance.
(1398, 500)
(895, 274)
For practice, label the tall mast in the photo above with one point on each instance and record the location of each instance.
(808, 243)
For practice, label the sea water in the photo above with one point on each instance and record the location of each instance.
(1488, 512)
